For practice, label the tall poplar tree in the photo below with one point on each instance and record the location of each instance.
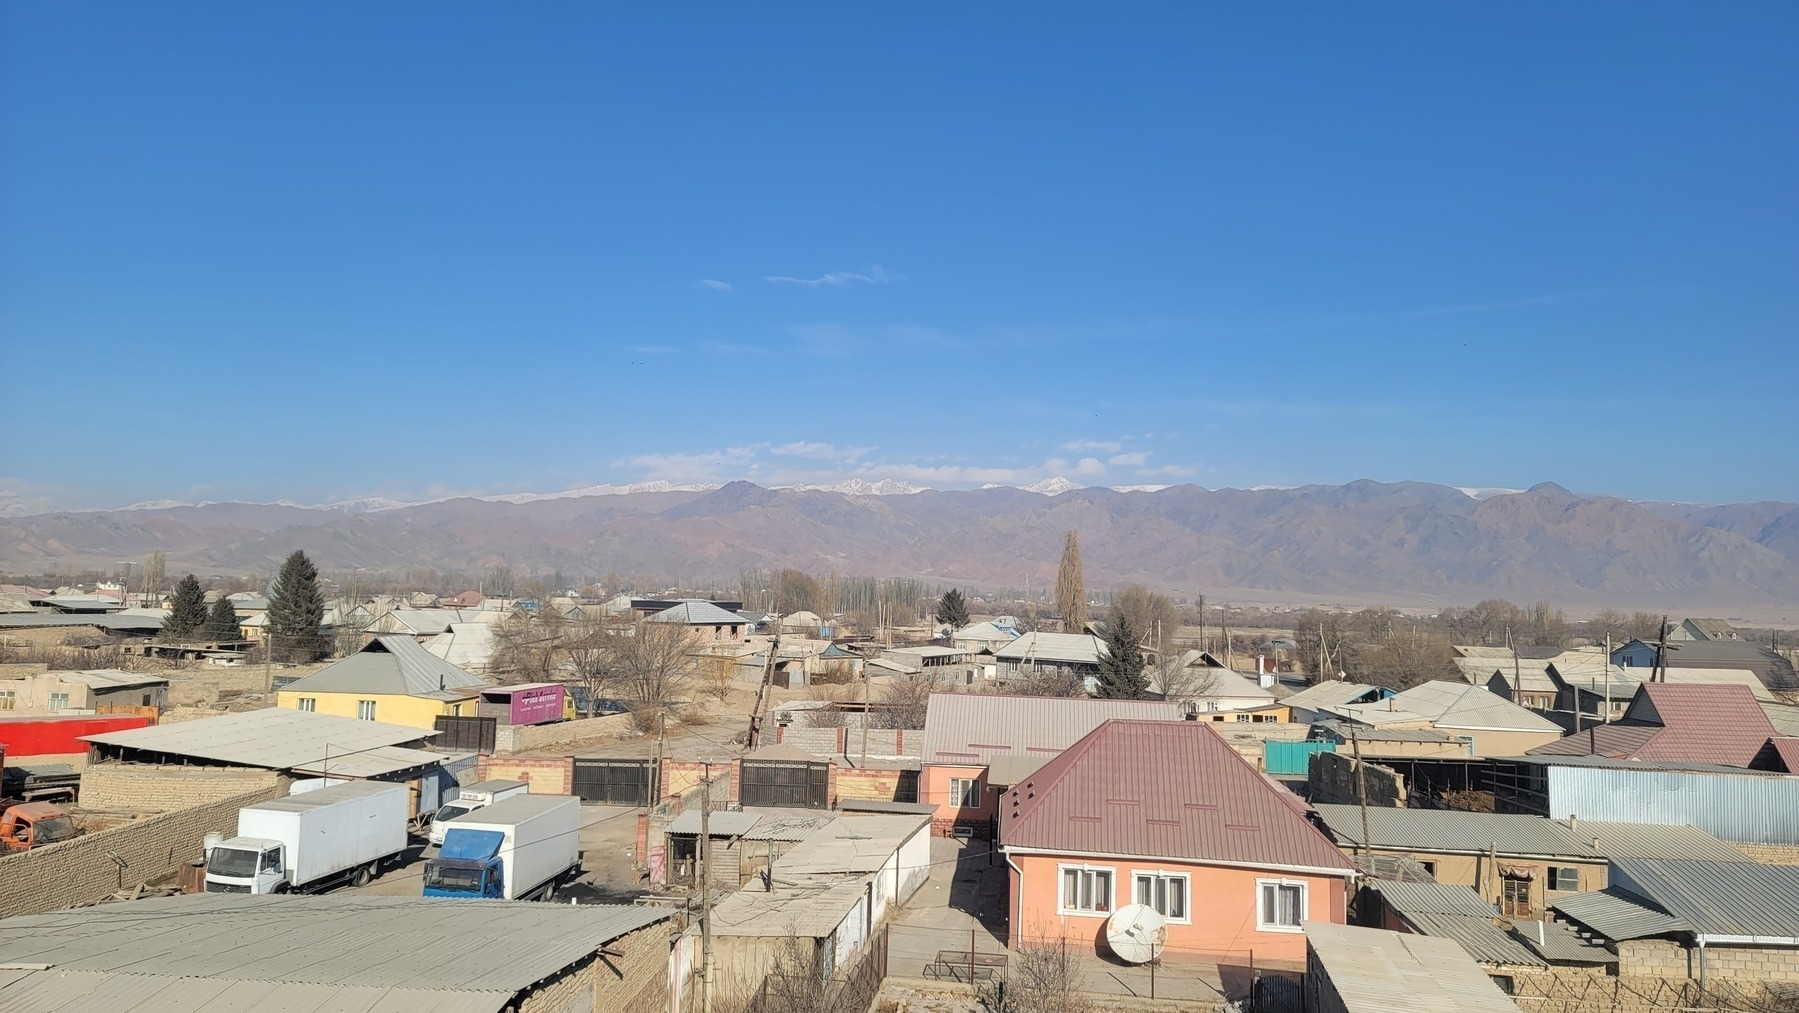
(187, 612)
(296, 615)
(1071, 587)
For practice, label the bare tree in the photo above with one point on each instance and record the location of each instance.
(1151, 614)
(653, 664)
(1071, 586)
(1051, 680)
(155, 572)
(905, 701)
(1043, 976)
(1180, 682)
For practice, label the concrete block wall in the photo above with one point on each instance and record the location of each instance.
(79, 871)
(1332, 779)
(161, 788)
(526, 738)
(1770, 854)
(868, 784)
(547, 775)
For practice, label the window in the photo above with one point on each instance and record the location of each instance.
(965, 792)
(308, 703)
(1086, 890)
(271, 861)
(365, 709)
(1430, 867)
(59, 701)
(1281, 906)
(6, 700)
(1243, 718)
(1514, 897)
(1166, 892)
(1565, 878)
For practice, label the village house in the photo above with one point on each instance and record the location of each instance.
(1679, 723)
(1520, 863)
(1771, 668)
(987, 636)
(392, 679)
(1492, 725)
(707, 622)
(1361, 970)
(1075, 654)
(978, 744)
(98, 690)
(1314, 703)
(1167, 814)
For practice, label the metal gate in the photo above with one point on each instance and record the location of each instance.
(615, 782)
(475, 735)
(795, 784)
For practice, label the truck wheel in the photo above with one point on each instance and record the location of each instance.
(549, 892)
(362, 876)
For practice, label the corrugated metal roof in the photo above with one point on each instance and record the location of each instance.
(973, 728)
(1460, 706)
(1559, 944)
(864, 805)
(276, 738)
(1433, 898)
(1327, 694)
(1376, 971)
(1446, 830)
(108, 678)
(696, 613)
(1716, 898)
(1618, 916)
(56, 990)
(851, 844)
(33, 620)
(1721, 724)
(388, 942)
(1167, 789)
(1074, 648)
(391, 665)
(375, 762)
(1478, 935)
(1788, 751)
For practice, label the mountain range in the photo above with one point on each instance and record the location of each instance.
(1406, 544)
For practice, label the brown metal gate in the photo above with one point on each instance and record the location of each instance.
(469, 735)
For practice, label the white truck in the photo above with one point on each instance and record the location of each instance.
(522, 848)
(312, 841)
(475, 796)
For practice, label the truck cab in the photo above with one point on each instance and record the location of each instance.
(475, 796)
(468, 866)
(246, 865)
(34, 824)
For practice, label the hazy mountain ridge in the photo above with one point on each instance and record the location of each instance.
(1408, 542)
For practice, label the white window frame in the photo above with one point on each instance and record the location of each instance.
(8, 699)
(365, 710)
(1186, 890)
(59, 702)
(1305, 905)
(971, 790)
(1062, 907)
(309, 704)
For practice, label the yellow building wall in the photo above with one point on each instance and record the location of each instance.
(393, 709)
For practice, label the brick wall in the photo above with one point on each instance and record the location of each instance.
(547, 775)
(868, 783)
(636, 979)
(76, 872)
(1770, 854)
(1332, 779)
(157, 788)
(525, 738)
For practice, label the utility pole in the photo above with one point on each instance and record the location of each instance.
(1509, 642)
(1607, 716)
(865, 714)
(705, 848)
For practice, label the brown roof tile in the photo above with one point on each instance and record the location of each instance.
(1164, 789)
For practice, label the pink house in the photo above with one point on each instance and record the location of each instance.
(978, 744)
(1166, 813)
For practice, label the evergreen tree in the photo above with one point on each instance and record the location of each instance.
(221, 622)
(1121, 666)
(297, 612)
(1071, 587)
(188, 611)
(952, 609)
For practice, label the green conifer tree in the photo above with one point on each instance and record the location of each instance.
(952, 609)
(296, 613)
(188, 610)
(1121, 666)
(221, 622)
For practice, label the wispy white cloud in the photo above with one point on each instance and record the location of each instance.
(876, 275)
(1093, 446)
(1133, 459)
(715, 285)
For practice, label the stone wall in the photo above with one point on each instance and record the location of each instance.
(1770, 854)
(869, 784)
(80, 871)
(1332, 779)
(1591, 990)
(159, 788)
(549, 775)
(525, 738)
(637, 979)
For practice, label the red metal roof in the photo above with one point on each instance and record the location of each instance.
(1162, 789)
(1788, 751)
(1678, 723)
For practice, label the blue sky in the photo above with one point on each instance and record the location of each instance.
(318, 251)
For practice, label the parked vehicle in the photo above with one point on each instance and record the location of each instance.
(34, 824)
(312, 841)
(473, 797)
(40, 782)
(523, 848)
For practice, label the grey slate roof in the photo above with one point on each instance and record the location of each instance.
(1376, 971)
(468, 955)
(1478, 935)
(1449, 831)
(1433, 898)
(1718, 898)
(977, 728)
(116, 623)
(275, 738)
(395, 666)
(696, 613)
(1333, 693)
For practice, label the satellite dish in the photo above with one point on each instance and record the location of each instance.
(1137, 933)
